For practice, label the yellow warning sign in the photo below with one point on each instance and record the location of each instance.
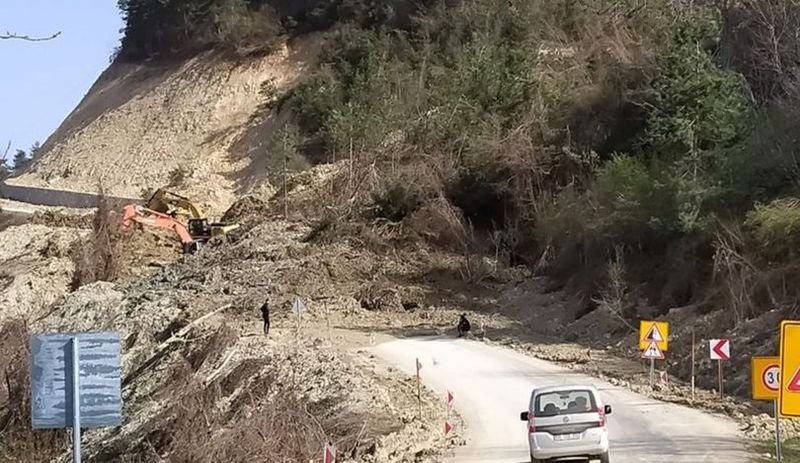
(653, 332)
(789, 394)
(765, 377)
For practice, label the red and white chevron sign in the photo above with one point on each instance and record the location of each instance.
(720, 349)
(329, 455)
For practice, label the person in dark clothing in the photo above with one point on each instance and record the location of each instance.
(265, 316)
(463, 325)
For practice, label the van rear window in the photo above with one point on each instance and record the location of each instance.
(566, 402)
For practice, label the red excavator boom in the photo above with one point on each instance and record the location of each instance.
(138, 214)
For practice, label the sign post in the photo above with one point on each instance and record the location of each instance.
(652, 353)
(778, 451)
(765, 382)
(419, 390)
(653, 342)
(75, 382)
(76, 400)
(693, 351)
(719, 350)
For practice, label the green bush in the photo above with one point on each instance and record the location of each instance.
(635, 205)
(565, 220)
(157, 27)
(700, 118)
(477, 189)
(397, 199)
(775, 229)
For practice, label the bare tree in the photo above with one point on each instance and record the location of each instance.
(28, 38)
(761, 40)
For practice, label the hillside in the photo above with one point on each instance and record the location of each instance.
(557, 169)
(196, 124)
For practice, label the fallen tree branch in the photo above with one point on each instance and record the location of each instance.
(27, 38)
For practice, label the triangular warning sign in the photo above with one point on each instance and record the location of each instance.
(653, 352)
(653, 335)
(447, 428)
(794, 384)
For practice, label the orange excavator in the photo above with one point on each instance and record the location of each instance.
(133, 213)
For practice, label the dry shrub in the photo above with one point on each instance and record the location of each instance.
(98, 259)
(756, 267)
(734, 272)
(756, 44)
(443, 224)
(615, 297)
(18, 441)
(379, 295)
(209, 348)
(264, 421)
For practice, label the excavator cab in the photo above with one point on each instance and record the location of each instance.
(200, 228)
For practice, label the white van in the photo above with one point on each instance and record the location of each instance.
(567, 421)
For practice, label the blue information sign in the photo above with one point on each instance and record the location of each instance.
(100, 385)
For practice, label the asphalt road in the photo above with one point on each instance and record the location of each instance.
(493, 385)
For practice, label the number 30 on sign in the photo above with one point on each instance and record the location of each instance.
(765, 377)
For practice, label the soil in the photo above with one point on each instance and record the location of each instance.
(166, 124)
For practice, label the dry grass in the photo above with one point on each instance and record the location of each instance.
(98, 259)
(18, 441)
(243, 415)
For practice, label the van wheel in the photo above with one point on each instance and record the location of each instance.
(604, 458)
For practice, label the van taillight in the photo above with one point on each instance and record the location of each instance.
(531, 426)
(602, 412)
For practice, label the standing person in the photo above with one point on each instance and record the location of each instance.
(265, 315)
(463, 325)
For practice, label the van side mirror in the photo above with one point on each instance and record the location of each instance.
(608, 409)
(523, 416)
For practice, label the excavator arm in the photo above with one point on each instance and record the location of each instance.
(134, 213)
(170, 203)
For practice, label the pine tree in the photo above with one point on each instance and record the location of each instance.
(21, 160)
(35, 151)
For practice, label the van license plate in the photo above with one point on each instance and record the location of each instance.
(567, 436)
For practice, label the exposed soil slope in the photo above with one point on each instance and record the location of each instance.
(148, 125)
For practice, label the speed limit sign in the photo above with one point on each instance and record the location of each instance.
(765, 377)
(771, 378)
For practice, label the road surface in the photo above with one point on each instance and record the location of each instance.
(492, 386)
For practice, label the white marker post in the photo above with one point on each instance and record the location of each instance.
(447, 425)
(693, 349)
(419, 390)
(76, 401)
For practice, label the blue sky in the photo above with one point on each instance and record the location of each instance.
(42, 82)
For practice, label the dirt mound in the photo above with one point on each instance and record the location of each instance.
(35, 268)
(246, 209)
(61, 219)
(10, 220)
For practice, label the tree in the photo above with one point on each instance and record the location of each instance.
(35, 151)
(5, 171)
(21, 160)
